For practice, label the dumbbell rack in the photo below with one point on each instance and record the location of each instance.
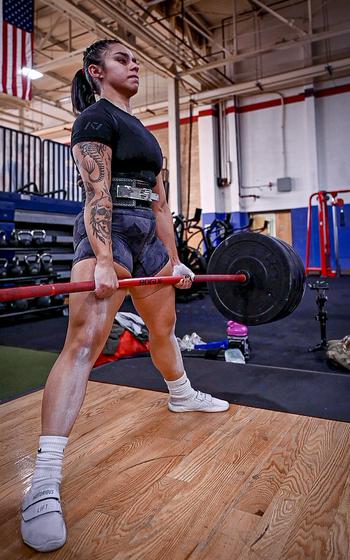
(56, 217)
(30, 280)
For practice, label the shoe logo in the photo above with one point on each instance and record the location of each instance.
(93, 125)
(43, 493)
(41, 508)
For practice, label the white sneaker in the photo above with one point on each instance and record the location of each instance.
(42, 525)
(201, 402)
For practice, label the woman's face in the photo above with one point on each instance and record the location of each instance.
(120, 70)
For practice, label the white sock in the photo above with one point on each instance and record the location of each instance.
(48, 466)
(181, 389)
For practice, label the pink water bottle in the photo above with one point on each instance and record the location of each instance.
(237, 336)
(236, 329)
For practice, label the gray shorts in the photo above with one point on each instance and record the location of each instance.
(135, 244)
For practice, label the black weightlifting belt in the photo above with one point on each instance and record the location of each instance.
(132, 193)
(129, 193)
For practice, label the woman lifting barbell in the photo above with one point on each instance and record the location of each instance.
(124, 230)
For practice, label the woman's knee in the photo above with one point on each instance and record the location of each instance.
(163, 328)
(85, 347)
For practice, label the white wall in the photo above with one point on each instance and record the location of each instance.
(317, 139)
(333, 127)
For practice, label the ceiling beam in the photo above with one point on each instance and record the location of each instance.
(278, 16)
(85, 19)
(299, 41)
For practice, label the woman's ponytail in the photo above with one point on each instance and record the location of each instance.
(81, 93)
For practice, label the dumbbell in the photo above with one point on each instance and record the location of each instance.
(14, 268)
(3, 240)
(3, 268)
(44, 301)
(46, 263)
(24, 237)
(38, 236)
(14, 238)
(20, 305)
(32, 263)
(3, 307)
(58, 299)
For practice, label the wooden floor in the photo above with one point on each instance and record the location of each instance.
(143, 483)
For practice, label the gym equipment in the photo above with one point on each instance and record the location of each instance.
(58, 299)
(46, 263)
(3, 268)
(39, 237)
(253, 279)
(275, 278)
(3, 240)
(324, 200)
(33, 264)
(321, 299)
(20, 305)
(14, 268)
(14, 238)
(24, 237)
(43, 301)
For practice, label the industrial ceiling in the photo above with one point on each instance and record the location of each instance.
(215, 48)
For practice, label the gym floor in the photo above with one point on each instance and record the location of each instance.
(247, 484)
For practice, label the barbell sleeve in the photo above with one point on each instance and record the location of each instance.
(26, 292)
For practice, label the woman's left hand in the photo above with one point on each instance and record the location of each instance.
(182, 270)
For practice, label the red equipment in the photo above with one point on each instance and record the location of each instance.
(324, 237)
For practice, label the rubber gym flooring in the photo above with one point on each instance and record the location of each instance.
(282, 347)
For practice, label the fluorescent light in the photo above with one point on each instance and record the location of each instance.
(31, 73)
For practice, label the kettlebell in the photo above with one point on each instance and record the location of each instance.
(58, 299)
(46, 263)
(3, 307)
(3, 240)
(3, 268)
(14, 268)
(20, 305)
(32, 264)
(38, 236)
(24, 237)
(14, 238)
(43, 301)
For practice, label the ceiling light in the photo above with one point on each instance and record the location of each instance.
(31, 73)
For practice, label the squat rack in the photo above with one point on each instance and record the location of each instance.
(324, 235)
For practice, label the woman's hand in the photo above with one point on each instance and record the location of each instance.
(106, 280)
(182, 270)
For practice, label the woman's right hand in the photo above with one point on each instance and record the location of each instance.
(106, 280)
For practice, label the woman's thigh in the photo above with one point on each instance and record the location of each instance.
(90, 318)
(156, 304)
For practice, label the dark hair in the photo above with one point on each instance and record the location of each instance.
(83, 85)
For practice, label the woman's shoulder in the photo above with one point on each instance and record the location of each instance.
(95, 122)
(98, 109)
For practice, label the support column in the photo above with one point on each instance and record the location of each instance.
(208, 172)
(311, 142)
(175, 202)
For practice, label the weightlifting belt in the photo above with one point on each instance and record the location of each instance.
(131, 192)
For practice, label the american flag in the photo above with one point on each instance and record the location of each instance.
(16, 44)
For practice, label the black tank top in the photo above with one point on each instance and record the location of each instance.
(135, 151)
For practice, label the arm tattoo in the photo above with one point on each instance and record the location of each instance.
(101, 217)
(95, 158)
